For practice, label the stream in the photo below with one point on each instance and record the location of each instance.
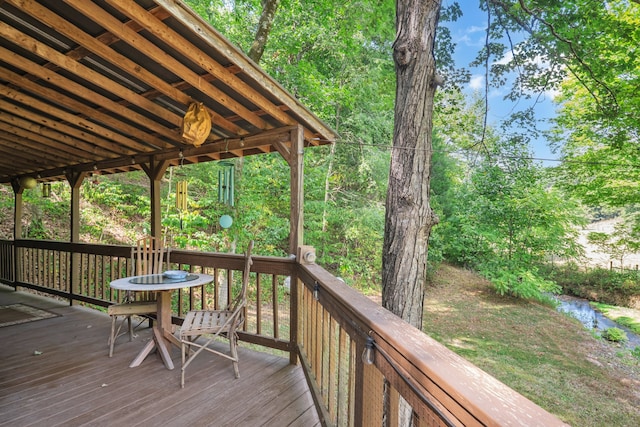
(593, 319)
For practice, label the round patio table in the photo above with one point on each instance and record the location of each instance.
(163, 285)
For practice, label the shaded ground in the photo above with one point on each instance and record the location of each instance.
(545, 355)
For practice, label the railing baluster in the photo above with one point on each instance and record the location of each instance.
(259, 307)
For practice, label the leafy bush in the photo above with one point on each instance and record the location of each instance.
(601, 284)
(629, 323)
(520, 281)
(614, 335)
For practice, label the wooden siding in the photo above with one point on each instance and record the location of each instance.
(74, 382)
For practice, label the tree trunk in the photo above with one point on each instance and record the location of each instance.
(409, 217)
(264, 27)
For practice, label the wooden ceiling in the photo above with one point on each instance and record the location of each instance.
(102, 87)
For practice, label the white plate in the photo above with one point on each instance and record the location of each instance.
(175, 274)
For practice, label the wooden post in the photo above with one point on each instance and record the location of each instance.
(296, 164)
(75, 182)
(155, 171)
(295, 158)
(17, 228)
(17, 209)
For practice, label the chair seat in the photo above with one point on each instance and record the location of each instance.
(136, 307)
(202, 322)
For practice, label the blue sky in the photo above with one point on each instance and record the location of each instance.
(469, 34)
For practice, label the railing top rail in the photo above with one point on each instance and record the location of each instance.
(261, 264)
(430, 364)
(92, 248)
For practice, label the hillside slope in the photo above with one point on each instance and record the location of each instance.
(545, 355)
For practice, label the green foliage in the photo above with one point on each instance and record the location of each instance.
(41, 214)
(513, 279)
(614, 335)
(605, 285)
(629, 323)
(597, 125)
(127, 194)
(505, 219)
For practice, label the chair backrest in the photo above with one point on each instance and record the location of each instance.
(241, 298)
(147, 257)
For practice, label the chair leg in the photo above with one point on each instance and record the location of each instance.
(183, 351)
(233, 342)
(112, 337)
(130, 328)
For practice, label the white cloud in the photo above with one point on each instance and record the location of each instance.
(476, 29)
(476, 82)
(508, 57)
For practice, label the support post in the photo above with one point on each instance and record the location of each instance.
(155, 171)
(18, 207)
(296, 164)
(75, 182)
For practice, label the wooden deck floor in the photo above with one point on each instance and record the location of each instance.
(73, 382)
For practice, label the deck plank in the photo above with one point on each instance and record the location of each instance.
(73, 382)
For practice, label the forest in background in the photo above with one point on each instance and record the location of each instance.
(500, 212)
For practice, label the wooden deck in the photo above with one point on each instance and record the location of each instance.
(73, 382)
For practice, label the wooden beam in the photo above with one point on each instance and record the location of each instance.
(95, 99)
(121, 145)
(83, 110)
(55, 140)
(197, 25)
(86, 73)
(75, 182)
(154, 52)
(180, 44)
(221, 73)
(155, 171)
(102, 50)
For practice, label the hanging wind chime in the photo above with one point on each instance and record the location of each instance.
(46, 190)
(226, 189)
(181, 198)
(226, 184)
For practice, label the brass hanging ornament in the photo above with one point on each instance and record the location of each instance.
(181, 195)
(196, 124)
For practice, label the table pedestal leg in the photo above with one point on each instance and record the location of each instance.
(162, 336)
(160, 343)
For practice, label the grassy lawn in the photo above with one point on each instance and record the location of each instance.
(547, 356)
(624, 316)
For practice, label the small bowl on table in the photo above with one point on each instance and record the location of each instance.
(175, 274)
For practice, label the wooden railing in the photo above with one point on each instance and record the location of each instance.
(364, 365)
(82, 272)
(403, 378)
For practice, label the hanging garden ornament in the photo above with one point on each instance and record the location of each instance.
(181, 195)
(196, 124)
(226, 221)
(226, 183)
(28, 182)
(46, 190)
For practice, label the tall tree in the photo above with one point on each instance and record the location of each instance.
(409, 217)
(269, 8)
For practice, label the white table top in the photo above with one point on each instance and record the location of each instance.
(157, 282)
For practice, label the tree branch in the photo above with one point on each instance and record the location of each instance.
(570, 44)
